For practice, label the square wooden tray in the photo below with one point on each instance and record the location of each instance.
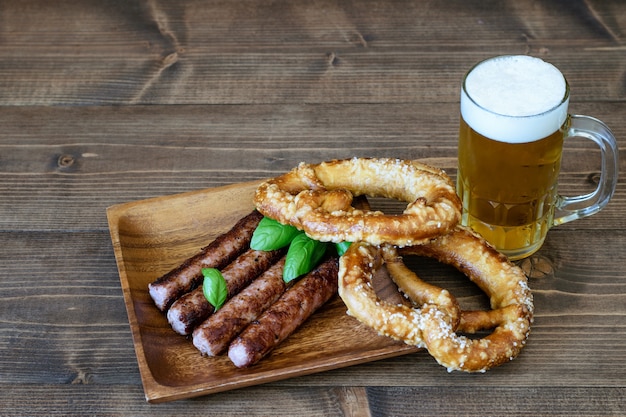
(151, 237)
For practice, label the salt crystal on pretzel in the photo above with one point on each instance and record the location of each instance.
(398, 321)
(432, 325)
(297, 198)
(511, 300)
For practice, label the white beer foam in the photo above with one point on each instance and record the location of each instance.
(514, 99)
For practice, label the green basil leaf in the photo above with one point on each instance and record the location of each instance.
(303, 255)
(342, 247)
(272, 235)
(214, 287)
(319, 249)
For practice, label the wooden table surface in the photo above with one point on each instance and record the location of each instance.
(107, 102)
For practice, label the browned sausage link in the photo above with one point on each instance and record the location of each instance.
(219, 253)
(213, 336)
(284, 316)
(193, 308)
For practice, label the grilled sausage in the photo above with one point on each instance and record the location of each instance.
(213, 336)
(219, 253)
(284, 316)
(193, 308)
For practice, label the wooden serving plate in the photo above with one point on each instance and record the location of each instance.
(151, 237)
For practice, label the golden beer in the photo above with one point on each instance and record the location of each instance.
(508, 189)
(510, 145)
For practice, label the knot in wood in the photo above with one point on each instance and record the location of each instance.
(66, 161)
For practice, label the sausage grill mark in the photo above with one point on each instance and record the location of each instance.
(193, 308)
(283, 317)
(213, 336)
(219, 253)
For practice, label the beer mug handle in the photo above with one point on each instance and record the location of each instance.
(572, 208)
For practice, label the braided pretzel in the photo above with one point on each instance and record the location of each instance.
(433, 326)
(298, 198)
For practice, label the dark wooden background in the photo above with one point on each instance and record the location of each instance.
(104, 102)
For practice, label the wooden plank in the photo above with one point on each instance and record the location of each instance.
(326, 401)
(274, 78)
(124, 400)
(498, 401)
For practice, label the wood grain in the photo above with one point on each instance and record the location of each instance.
(108, 102)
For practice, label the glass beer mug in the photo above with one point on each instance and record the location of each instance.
(514, 122)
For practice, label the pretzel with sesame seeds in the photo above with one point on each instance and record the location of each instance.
(316, 198)
(433, 323)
